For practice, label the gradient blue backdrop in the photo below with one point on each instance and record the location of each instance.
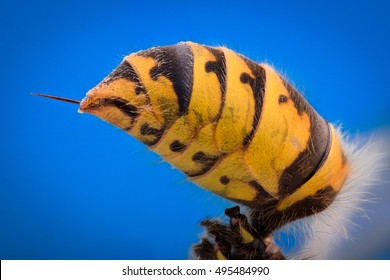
(74, 187)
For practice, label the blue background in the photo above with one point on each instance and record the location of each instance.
(74, 187)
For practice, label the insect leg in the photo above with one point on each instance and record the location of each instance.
(237, 240)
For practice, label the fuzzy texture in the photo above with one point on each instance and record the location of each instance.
(322, 232)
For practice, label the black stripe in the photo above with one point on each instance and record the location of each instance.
(258, 88)
(300, 102)
(206, 160)
(309, 160)
(310, 205)
(219, 68)
(121, 104)
(325, 154)
(266, 217)
(148, 130)
(126, 71)
(262, 193)
(176, 63)
(177, 147)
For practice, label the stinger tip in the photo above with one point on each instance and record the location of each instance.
(57, 98)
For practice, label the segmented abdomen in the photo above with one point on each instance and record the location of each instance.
(232, 126)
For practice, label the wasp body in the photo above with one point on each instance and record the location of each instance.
(234, 127)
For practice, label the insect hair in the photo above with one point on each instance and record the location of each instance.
(319, 235)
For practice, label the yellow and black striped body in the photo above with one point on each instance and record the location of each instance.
(234, 127)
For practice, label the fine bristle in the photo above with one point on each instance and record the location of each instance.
(57, 98)
(323, 233)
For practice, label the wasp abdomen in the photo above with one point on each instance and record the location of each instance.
(233, 126)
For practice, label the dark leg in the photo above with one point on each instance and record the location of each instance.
(237, 240)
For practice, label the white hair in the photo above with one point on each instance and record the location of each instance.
(321, 233)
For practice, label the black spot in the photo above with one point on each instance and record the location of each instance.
(177, 147)
(147, 130)
(299, 102)
(282, 99)
(224, 180)
(206, 160)
(175, 63)
(245, 78)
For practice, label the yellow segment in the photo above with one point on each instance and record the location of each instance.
(206, 94)
(332, 173)
(203, 108)
(202, 142)
(246, 236)
(118, 89)
(281, 135)
(239, 108)
(220, 256)
(163, 98)
(124, 89)
(233, 167)
(146, 116)
(179, 131)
